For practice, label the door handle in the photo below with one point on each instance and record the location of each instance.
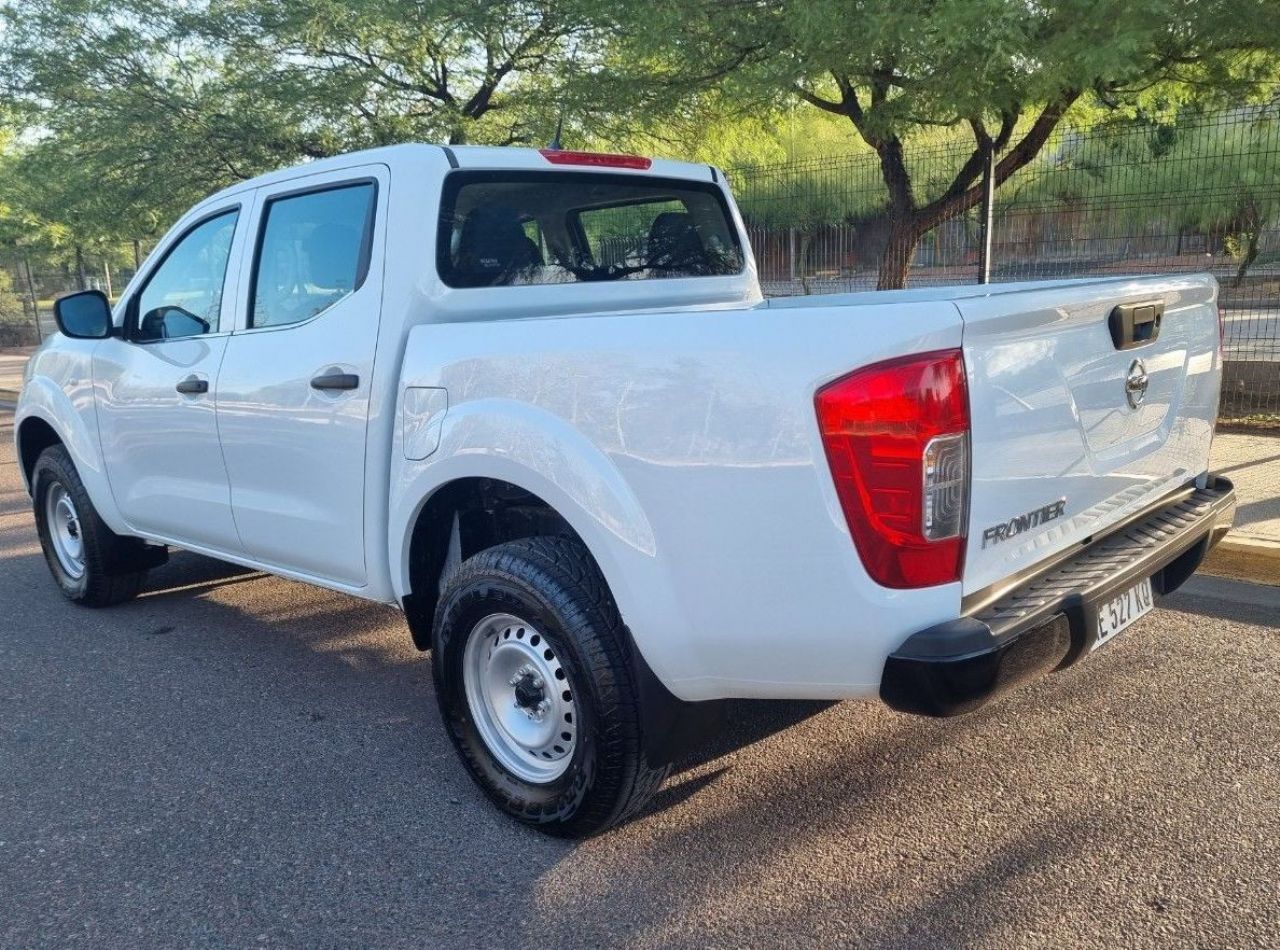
(1133, 324)
(335, 381)
(192, 386)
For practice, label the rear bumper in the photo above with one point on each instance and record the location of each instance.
(1049, 621)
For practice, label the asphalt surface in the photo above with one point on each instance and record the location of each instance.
(240, 761)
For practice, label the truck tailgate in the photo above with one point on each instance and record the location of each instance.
(1066, 439)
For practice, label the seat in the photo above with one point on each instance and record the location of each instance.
(325, 272)
(674, 244)
(493, 248)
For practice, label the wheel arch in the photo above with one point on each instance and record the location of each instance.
(34, 435)
(46, 411)
(464, 516)
(472, 513)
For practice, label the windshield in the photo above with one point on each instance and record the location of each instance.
(519, 228)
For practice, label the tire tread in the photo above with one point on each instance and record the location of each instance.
(110, 559)
(564, 572)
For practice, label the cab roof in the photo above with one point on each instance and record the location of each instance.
(481, 157)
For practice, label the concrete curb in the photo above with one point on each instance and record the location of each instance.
(1250, 559)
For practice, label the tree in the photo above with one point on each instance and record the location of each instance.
(383, 71)
(16, 327)
(1237, 184)
(138, 108)
(1006, 71)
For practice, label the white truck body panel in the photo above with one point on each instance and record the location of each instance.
(689, 432)
(670, 422)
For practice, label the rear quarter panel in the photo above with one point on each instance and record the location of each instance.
(683, 448)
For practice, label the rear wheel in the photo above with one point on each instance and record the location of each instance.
(536, 688)
(91, 564)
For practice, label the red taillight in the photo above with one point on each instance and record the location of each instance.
(897, 439)
(601, 159)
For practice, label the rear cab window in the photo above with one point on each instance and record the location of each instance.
(521, 228)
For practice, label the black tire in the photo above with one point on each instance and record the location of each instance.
(554, 585)
(113, 565)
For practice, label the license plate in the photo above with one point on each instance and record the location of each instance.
(1122, 610)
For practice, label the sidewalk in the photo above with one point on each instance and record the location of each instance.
(12, 362)
(1252, 550)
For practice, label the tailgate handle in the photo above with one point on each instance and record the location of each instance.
(1133, 324)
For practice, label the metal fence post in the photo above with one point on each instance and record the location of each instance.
(35, 299)
(988, 214)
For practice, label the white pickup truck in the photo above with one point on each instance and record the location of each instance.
(536, 400)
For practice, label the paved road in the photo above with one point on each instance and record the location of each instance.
(239, 761)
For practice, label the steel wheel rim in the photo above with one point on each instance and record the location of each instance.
(520, 698)
(64, 530)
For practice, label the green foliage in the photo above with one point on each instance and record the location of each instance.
(1005, 72)
(944, 62)
(132, 110)
(375, 72)
(16, 327)
(128, 111)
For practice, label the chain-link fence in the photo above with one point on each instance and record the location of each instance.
(1137, 198)
(30, 282)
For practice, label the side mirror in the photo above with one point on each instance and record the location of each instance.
(170, 323)
(85, 316)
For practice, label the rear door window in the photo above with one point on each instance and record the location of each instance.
(313, 252)
(511, 228)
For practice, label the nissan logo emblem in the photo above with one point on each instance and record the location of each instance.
(1135, 384)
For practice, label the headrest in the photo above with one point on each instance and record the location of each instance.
(674, 242)
(493, 247)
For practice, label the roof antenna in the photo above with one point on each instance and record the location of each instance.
(555, 145)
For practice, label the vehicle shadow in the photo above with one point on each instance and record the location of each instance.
(189, 575)
(1220, 598)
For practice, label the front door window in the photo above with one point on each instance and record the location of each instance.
(183, 296)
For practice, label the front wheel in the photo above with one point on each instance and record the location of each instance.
(535, 687)
(91, 564)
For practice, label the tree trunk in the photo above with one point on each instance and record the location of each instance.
(802, 259)
(137, 255)
(1250, 255)
(106, 273)
(84, 277)
(899, 249)
(911, 221)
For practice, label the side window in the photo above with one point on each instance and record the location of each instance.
(313, 251)
(183, 296)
